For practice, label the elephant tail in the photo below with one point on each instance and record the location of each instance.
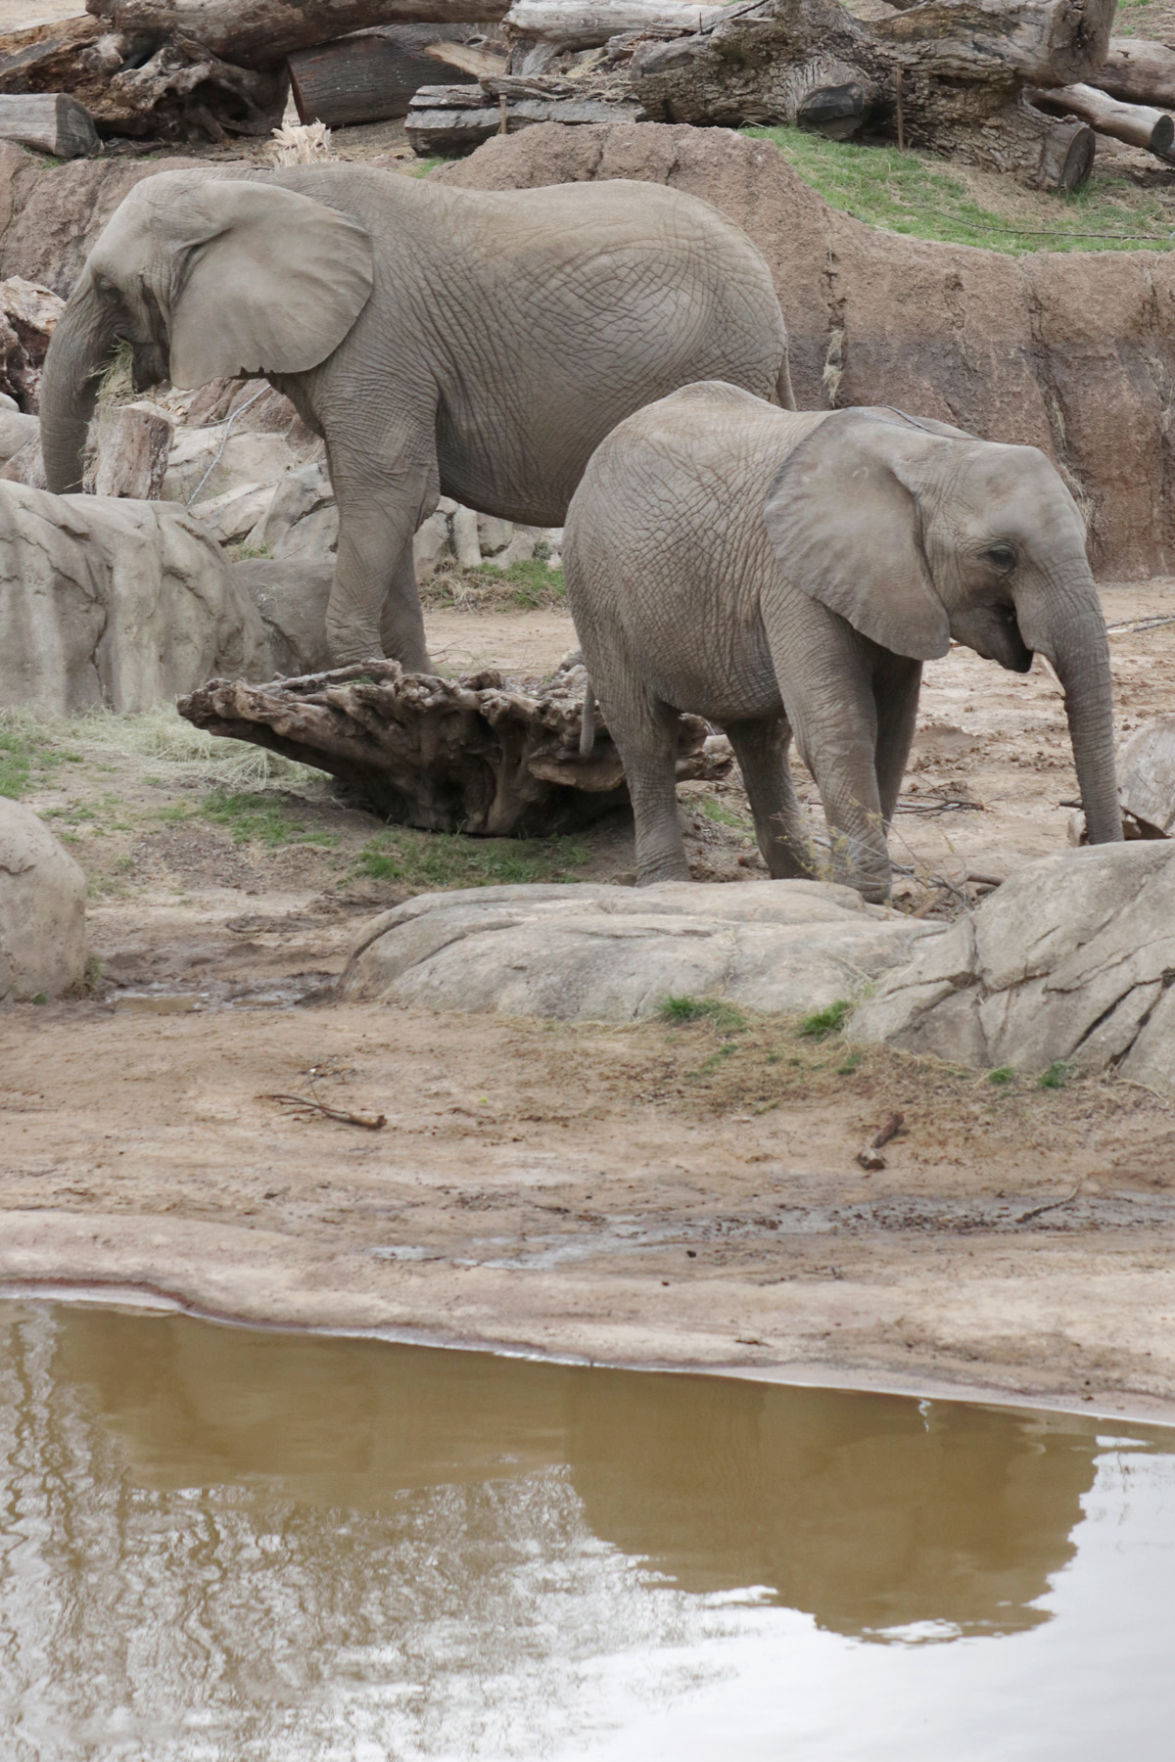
(587, 733)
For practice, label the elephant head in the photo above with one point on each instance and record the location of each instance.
(916, 533)
(205, 278)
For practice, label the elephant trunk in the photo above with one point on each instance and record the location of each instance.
(1074, 640)
(81, 346)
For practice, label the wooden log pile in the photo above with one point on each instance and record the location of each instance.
(1022, 89)
(215, 68)
(483, 755)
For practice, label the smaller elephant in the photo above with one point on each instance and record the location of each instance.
(777, 571)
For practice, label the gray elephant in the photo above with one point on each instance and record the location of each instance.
(777, 572)
(476, 344)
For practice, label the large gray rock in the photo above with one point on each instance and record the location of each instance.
(605, 953)
(114, 602)
(42, 910)
(1070, 960)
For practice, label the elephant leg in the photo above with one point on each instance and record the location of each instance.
(830, 704)
(896, 687)
(646, 739)
(761, 748)
(374, 602)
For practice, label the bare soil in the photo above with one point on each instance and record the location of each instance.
(647, 1193)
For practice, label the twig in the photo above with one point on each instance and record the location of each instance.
(868, 1156)
(1051, 1205)
(1122, 626)
(216, 457)
(332, 1113)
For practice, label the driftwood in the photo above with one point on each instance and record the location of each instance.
(1137, 71)
(262, 33)
(1137, 124)
(481, 755)
(367, 77)
(947, 74)
(49, 121)
(446, 119)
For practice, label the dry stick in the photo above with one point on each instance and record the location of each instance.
(1051, 1205)
(332, 1113)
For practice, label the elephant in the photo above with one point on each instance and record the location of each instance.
(781, 572)
(442, 341)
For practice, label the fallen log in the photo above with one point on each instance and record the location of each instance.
(1136, 124)
(483, 755)
(367, 77)
(51, 122)
(585, 26)
(448, 119)
(948, 75)
(132, 86)
(262, 33)
(1138, 71)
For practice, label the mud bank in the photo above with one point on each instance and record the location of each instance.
(647, 1194)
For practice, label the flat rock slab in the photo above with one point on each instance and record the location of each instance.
(1070, 960)
(604, 953)
(42, 910)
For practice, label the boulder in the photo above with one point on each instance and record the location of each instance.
(42, 910)
(604, 953)
(120, 603)
(302, 520)
(1066, 351)
(1070, 961)
(205, 462)
(290, 597)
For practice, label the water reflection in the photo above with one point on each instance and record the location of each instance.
(223, 1544)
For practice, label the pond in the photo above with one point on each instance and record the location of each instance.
(224, 1545)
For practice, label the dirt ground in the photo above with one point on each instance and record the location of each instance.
(648, 1193)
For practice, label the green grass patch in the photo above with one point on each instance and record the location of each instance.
(532, 583)
(427, 860)
(723, 1016)
(16, 764)
(261, 819)
(722, 815)
(824, 1022)
(1002, 1076)
(910, 193)
(1058, 1075)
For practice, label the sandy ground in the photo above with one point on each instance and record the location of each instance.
(646, 1193)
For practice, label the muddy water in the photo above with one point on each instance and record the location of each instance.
(226, 1546)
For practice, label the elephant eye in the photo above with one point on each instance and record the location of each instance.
(1003, 557)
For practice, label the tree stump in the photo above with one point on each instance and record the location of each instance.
(485, 755)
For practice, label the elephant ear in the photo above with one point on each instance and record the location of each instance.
(272, 284)
(843, 518)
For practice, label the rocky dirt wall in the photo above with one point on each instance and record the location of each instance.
(1073, 353)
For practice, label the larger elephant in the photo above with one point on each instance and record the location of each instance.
(442, 340)
(783, 573)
